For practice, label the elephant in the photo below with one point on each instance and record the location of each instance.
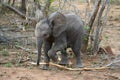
(59, 32)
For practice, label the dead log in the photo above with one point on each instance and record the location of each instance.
(106, 50)
(18, 12)
(21, 60)
(109, 50)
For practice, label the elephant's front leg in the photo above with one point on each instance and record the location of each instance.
(64, 58)
(59, 45)
(52, 54)
(47, 46)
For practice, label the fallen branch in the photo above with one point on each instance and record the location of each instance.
(18, 12)
(20, 61)
(25, 60)
(106, 50)
(1, 62)
(71, 69)
(113, 62)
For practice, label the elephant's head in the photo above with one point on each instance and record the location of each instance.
(42, 29)
(57, 22)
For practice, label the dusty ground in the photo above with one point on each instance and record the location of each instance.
(10, 69)
(112, 30)
(38, 74)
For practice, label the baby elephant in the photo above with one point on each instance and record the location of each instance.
(68, 31)
(59, 32)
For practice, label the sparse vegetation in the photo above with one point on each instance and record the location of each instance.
(8, 64)
(115, 2)
(5, 52)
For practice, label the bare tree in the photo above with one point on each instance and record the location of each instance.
(97, 14)
(23, 6)
(90, 23)
(99, 27)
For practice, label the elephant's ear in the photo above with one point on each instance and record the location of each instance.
(58, 23)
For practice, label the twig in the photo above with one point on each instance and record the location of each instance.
(71, 69)
(113, 62)
(25, 60)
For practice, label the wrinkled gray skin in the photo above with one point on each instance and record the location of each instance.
(62, 30)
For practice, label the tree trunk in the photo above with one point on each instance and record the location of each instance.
(97, 36)
(13, 2)
(23, 6)
(90, 24)
(9, 1)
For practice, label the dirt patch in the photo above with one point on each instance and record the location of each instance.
(31, 74)
(112, 30)
(38, 74)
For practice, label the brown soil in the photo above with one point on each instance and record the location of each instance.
(38, 74)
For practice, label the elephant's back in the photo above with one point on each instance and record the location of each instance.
(74, 27)
(74, 24)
